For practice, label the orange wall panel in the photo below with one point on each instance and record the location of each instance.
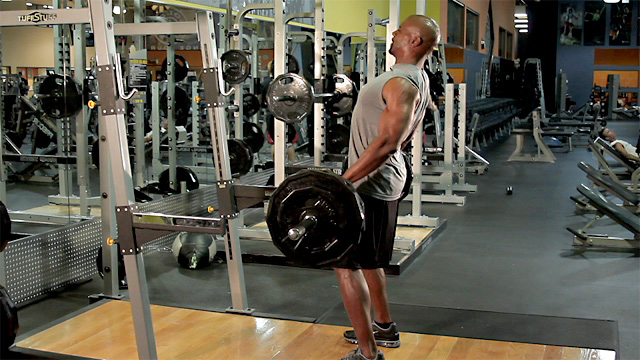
(618, 57)
(628, 79)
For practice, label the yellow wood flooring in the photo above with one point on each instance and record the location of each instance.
(107, 332)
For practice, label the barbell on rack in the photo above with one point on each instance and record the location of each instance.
(290, 97)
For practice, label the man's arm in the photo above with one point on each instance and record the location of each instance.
(624, 152)
(401, 98)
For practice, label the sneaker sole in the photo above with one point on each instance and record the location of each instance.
(383, 343)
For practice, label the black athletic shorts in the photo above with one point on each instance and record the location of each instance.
(376, 239)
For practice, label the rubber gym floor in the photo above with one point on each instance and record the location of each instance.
(504, 267)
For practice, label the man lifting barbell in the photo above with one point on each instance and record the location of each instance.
(389, 109)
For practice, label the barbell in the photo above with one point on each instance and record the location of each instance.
(290, 97)
(315, 217)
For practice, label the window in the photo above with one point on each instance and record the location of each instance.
(505, 44)
(455, 25)
(472, 30)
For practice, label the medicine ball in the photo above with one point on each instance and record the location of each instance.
(194, 250)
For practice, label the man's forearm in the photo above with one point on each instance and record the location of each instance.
(375, 155)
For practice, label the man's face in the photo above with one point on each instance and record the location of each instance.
(401, 38)
(609, 134)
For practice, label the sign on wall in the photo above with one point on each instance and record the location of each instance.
(595, 15)
(570, 24)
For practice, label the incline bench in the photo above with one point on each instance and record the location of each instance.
(622, 216)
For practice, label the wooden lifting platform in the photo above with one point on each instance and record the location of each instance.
(105, 332)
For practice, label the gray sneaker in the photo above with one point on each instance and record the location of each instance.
(384, 337)
(357, 355)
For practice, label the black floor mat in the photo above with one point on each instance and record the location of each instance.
(535, 329)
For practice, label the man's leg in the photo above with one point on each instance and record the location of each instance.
(355, 295)
(377, 284)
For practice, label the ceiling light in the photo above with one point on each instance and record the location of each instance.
(523, 30)
(116, 10)
(522, 26)
(29, 4)
(520, 20)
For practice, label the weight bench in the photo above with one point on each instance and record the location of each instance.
(622, 216)
(544, 153)
(630, 169)
(630, 198)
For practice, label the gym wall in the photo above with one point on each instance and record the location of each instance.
(586, 63)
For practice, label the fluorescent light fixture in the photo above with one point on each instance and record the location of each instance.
(29, 4)
(520, 20)
(522, 26)
(523, 30)
(521, 15)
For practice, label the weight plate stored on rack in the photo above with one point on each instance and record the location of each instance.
(181, 103)
(240, 157)
(315, 217)
(338, 139)
(59, 96)
(290, 98)
(183, 174)
(235, 66)
(342, 102)
(253, 136)
(180, 66)
(250, 104)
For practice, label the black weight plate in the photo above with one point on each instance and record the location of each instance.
(250, 104)
(240, 157)
(253, 136)
(346, 94)
(337, 206)
(181, 68)
(338, 139)
(8, 321)
(181, 103)
(59, 96)
(182, 174)
(5, 227)
(290, 98)
(235, 66)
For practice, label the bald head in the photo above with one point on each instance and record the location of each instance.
(415, 39)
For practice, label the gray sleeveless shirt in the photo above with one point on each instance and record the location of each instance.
(386, 182)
